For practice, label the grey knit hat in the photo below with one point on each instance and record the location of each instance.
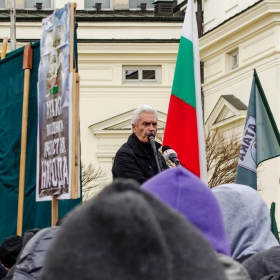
(127, 234)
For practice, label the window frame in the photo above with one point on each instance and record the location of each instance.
(138, 7)
(140, 79)
(5, 5)
(23, 6)
(98, 1)
(234, 54)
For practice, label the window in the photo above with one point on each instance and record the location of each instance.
(7, 4)
(31, 4)
(105, 4)
(234, 59)
(141, 74)
(135, 4)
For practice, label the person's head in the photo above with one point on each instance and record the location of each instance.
(126, 233)
(185, 192)
(10, 250)
(144, 121)
(243, 206)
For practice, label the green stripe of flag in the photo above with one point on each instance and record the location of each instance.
(184, 82)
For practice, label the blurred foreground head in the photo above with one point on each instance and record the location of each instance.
(185, 192)
(127, 234)
(10, 250)
(247, 219)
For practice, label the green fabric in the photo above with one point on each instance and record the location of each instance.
(274, 228)
(185, 90)
(266, 126)
(261, 139)
(36, 214)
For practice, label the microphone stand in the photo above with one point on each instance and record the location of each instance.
(151, 138)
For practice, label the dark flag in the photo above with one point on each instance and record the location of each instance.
(261, 139)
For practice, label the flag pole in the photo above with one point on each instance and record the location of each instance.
(4, 47)
(54, 210)
(27, 66)
(13, 25)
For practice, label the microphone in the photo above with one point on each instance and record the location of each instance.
(170, 154)
(151, 138)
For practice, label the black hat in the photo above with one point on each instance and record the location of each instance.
(10, 249)
(125, 233)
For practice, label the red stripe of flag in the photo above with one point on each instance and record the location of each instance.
(184, 136)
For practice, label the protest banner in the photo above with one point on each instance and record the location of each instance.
(58, 161)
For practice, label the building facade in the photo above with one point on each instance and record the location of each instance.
(240, 36)
(127, 54)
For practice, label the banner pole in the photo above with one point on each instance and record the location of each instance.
(54, 210)
(4, 47)
(27, 66)
(75, 114)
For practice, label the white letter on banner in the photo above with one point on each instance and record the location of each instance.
(62, 149)
(248, 158)
(54, 173)
(43, 175)
(59, 172)
(65, 171)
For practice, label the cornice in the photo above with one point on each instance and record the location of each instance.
(115, 133)
(25, 15)
(120, 124)
(239, 23)
(218, 108)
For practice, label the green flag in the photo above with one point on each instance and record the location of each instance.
(36, 214)
(274, 228)
(261, 139)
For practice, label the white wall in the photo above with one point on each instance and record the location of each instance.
(255, 34)
(217, 11)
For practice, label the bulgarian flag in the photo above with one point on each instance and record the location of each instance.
(184, 125)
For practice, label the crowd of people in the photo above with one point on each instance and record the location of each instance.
(171, 227)
(151, 223)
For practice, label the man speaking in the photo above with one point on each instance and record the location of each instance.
(139, 157)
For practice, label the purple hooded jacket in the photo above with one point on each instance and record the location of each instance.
(186, 193)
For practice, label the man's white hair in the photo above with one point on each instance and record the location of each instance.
(143, 108)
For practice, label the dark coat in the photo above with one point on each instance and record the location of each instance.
(265, 263)
(27, 236)
(136, 160)
(32, 258)
(3, 271)
(275, 276)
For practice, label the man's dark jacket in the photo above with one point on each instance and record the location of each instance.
(31, 261)
(136, 160)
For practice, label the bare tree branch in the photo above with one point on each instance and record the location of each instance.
(221, 157)
(93, 179)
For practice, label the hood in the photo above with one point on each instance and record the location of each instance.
(246, 218)
(186, 193)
